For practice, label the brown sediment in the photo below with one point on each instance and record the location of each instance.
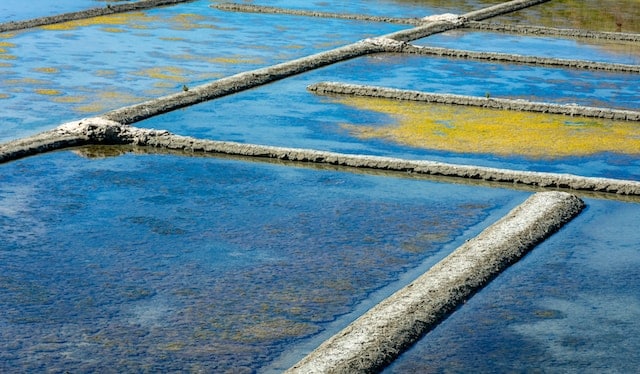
(551, 31)
(89, 13)
(332, 88)
(100, 131)
(379, 336)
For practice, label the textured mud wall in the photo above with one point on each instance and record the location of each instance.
(513, 58)
(94, 12)
(234, 7)
(375, 339)
(540, 30)
(100, 131)
(326, 88)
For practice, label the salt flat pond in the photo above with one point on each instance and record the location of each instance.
(173, 262)
(166, 262)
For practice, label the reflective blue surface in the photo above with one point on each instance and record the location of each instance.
(571, 305)
(286, 114)
(172, 263)
(566, 48)
(48, 77)
(18, 10)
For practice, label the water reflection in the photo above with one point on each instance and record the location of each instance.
(199, 263)
(572, 304)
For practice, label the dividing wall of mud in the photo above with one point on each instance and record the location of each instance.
(89, 13)
(327, 88)
(375, 339)
(100, 131)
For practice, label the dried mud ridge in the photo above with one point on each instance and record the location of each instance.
(89, 13)
(379, 336)
(464, 22)
(332, 88)
(101, 131)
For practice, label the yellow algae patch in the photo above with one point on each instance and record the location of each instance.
(4, 96)
(164, 84)
(7, 44)
(105, 73)
(234, 60)
(112, 29)
(170, 73)
(69, 99)
(47, 70)
(133, 18)
(479, 130)
(25, 81)
(172, 39)
(7, 57)
(189, 21)
(91, 108)
(108, 100)
(5, 65)
(48, 92)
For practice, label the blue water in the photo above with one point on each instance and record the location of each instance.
(576, 49)
(389, 8)
(148, 57)
(571, 305)
(18, 10)
(286, 114)
(148, 262)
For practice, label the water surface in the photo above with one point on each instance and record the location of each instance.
(571, 305)
(149, 262)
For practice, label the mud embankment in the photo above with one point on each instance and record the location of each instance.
(333, 88)
(514, 58)
(551, 31)
(247, 8)
(100, 131)
(89, 13)
(379, 336)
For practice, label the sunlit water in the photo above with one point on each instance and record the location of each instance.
(85, 68)
(168, 263)
(571, 305)
(174, 263)
(286, 114)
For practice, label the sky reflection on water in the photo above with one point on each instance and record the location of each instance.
(200, 263)
(571, 304)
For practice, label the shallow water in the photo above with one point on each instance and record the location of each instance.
(571, 305)
(565, 48)
(597, 15)
(18, 10)
(198, 263)
(285, 114)
(168, 263)
(389, 8)
(84, 68)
